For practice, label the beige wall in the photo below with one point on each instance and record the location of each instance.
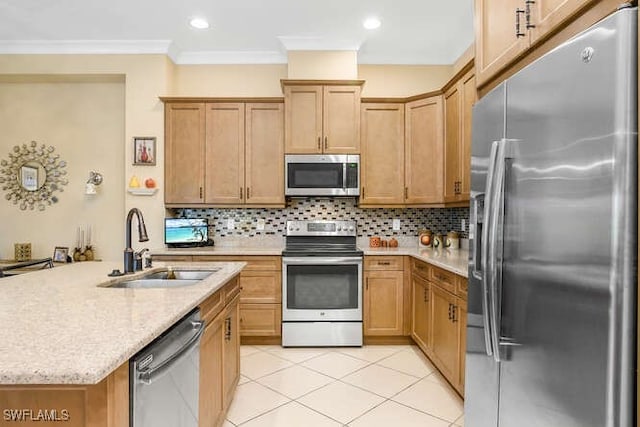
(146, 77)
(85, 124)
(322, 65)
(402, 80)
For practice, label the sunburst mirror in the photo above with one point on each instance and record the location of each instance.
(32, 176)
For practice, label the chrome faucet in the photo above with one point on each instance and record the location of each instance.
(142, 237)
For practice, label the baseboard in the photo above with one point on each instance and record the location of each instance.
(388, 340)
(261, 340)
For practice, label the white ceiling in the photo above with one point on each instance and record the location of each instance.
(242, 31)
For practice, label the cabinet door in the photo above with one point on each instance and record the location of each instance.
(224, 183)
(263, 320)
(231, 351)
(264, 144)
(382, 158)
(548, 15)
(424, 157)
(444, 333)
(184, 149)
(383, 303)
(210, 401)
(341, 119)
(469, 97)
(260, 287)
(461, 318)
(421, 313)
(303, 119)
(452, 139)
(496, 41)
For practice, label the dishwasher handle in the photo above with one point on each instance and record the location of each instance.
(148, 376)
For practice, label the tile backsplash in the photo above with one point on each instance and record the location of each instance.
(370, 221)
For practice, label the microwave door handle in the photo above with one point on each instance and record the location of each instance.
(344, 176)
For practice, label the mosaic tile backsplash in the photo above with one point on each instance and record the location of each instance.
(370, 221)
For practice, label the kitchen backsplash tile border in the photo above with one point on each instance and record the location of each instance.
(370, 221)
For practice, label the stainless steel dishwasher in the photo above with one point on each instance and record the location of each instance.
(164, 377)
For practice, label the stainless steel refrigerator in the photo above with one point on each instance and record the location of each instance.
(552, 271)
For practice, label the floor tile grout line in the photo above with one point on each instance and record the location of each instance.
(321, 413)
(264, 413)
(420, 410)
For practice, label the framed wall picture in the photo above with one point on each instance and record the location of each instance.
(144, 150)
(60, 254)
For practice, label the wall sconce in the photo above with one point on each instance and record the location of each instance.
(95, 178)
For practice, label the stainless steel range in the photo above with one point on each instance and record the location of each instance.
(321, 285)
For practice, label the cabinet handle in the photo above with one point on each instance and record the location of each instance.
(363, 192)
(201, 192)
(518, 33)
(406, 192)
(227, 327)
(527, 14)
(425, 295)
(367, 284)
(248, 193)
(384, 263)
(240, 193)
(454, 315)
(326, 142)
(319, 143)
(450, 311)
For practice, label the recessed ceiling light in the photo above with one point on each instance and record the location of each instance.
(371, 23)
(199, 23)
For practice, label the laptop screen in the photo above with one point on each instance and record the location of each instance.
(185, 230)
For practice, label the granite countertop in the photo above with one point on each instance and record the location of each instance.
(455, 261)
(59, 327)
(450, 260)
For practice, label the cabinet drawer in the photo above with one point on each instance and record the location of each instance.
(260, 287)
(462, 287)
(213, 305)
(231, 289)
(421, 269)
(254, 263)
(383, 262)
(172, 258)
(445, 279)
(260, 320)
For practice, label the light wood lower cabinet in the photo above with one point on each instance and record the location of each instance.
(383, 303)
(219, 354)
(421, 313)
(262, 320)
(445, 333)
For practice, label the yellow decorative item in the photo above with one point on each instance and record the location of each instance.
(133, 182)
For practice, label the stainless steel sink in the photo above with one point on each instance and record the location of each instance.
(158, 279)
(154, 283)
(182, 274)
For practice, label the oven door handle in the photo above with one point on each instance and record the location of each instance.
(321, 260)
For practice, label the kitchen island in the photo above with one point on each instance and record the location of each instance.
(65, 341)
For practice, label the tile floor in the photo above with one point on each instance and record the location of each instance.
(372, 386)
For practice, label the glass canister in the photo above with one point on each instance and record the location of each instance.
(452, 240)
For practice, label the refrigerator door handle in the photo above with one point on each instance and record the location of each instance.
(477, 266)
(484, 249)
(494, 227)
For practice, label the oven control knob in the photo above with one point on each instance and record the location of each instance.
(297, 228)
(351, 228)
(339, 228)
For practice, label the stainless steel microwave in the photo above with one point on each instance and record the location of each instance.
(322, 175)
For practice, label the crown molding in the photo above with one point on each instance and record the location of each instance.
(53, 47)
(231, 57)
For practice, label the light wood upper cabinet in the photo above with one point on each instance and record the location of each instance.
(383, 302)
(496, 42)
(547, 15)
(220, 153)
(303, 119)
(224, 172)
(322, 118)
(264, 153)
(424, 151)
(184, 145)
(498, 45)
(341, 119)
(458, 101)
(382, 160)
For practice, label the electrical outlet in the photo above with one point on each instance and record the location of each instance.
(464, 224)
(396, 224)
(231, 224)
(260, 224)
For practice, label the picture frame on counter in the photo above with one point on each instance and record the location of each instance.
(144, 150)
(60, 254)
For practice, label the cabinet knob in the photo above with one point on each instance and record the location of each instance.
(240, 193)
(527, 14)
(326, 142)
(319, 143)
(248, 193)
(406, 192)
(518, 33)
(201, 192)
